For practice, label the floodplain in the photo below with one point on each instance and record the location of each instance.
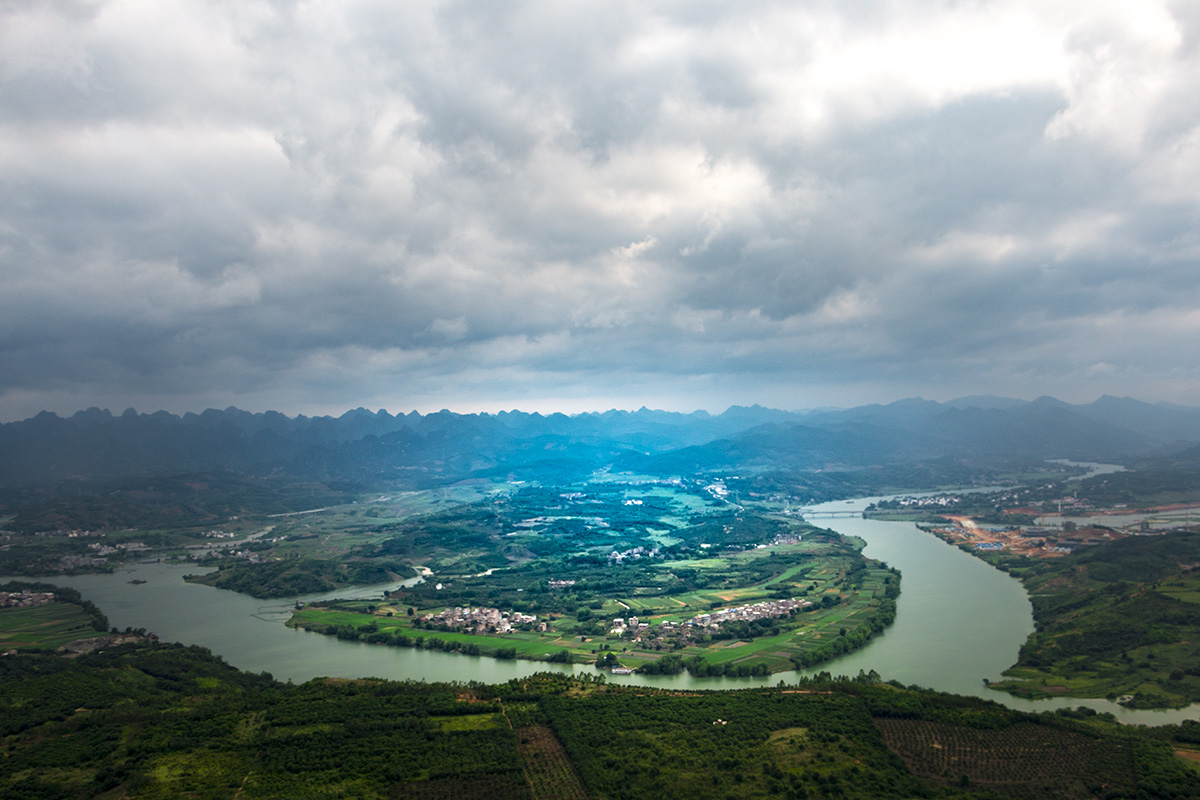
(635, 569)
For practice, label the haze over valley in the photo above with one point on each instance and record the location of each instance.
(674, 552)
(599, 400)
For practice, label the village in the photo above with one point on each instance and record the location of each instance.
(634, 552)
(483, 620)
(749, 613)
(634, 627)
(25, 599)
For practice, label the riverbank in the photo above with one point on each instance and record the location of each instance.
(1118, 621)
(807, 635)
(958, 620)
(165, 720)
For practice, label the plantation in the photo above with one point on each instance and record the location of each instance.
(1015, 758)
(159, 721)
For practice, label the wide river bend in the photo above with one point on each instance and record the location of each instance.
(958, 621)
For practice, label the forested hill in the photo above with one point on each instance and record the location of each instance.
(366, 446)
(1115, 620)
(169, 721)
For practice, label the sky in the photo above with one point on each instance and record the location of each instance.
(315, 206)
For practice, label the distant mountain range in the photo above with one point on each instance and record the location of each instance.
(365, 446)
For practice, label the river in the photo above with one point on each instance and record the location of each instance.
(958, 621)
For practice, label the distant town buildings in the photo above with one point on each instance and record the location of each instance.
(936, 501)
(67, 563)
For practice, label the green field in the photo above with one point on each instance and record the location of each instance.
(808, 638)
(44, 627)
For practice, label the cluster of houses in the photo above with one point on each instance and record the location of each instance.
(219, 534)
(1073, 503)
(639, 631)
(717, 490)
(69, 533)
(937, 501)
(126, 547)
(25, 599)
(482, 620)
(767, 608)
(198, 554)
(68, 563)
(98, 555)
(621, 626)
(635, 552)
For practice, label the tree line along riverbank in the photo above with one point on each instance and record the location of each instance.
(151, 719)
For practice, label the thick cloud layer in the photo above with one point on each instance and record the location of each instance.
(311, 206)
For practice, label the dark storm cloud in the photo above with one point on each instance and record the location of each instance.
(317, 206)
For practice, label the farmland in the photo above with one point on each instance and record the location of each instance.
(44, 627)
(55, 617)
(1014, 759)
(846, 600)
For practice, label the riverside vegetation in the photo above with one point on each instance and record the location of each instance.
(639, 515)
(1120, 620)
(1118, 616)
(687, 546)
(155, 720)
(577, 554)
(622, 574)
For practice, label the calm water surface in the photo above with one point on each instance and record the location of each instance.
(958, 621)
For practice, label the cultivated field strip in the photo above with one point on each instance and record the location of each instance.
(549, 769)
(1018, 759)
